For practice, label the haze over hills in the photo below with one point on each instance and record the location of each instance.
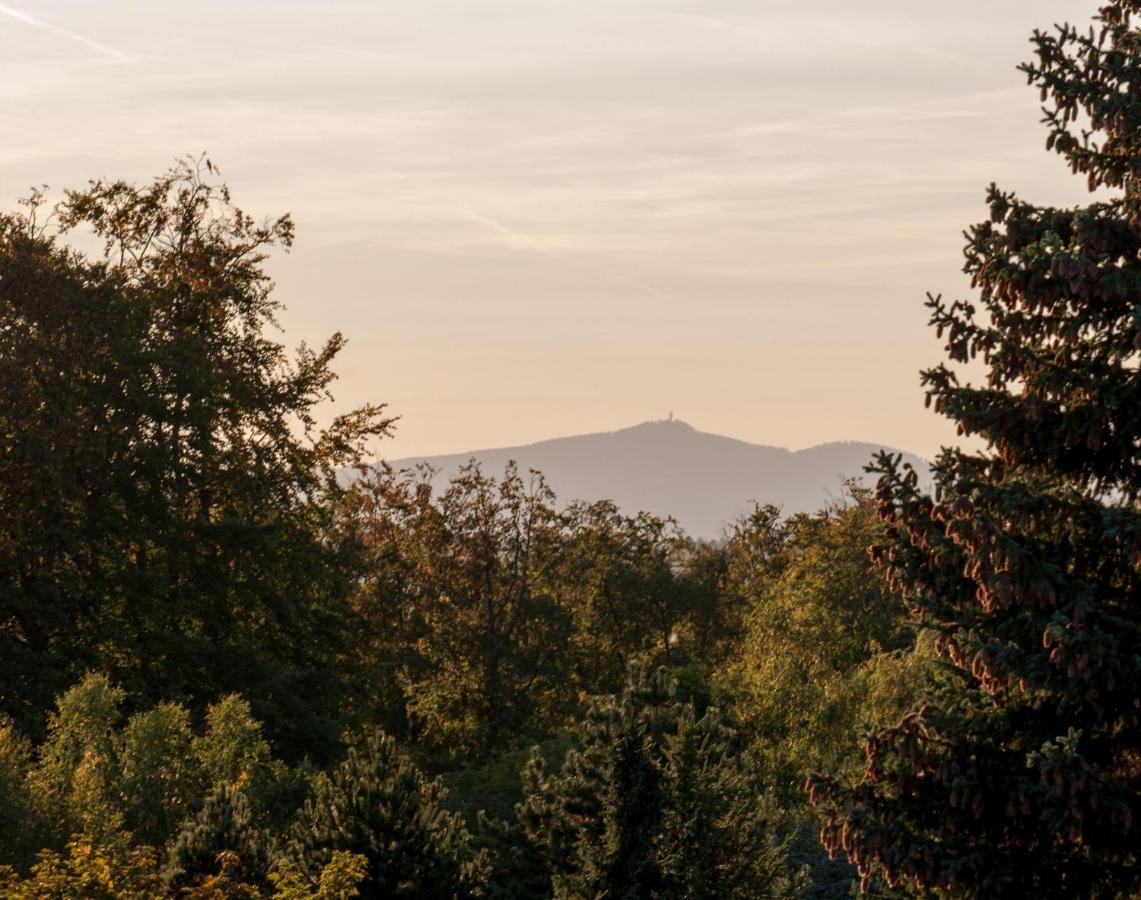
(668, 467)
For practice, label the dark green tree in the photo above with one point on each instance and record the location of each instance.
(379, 804)
(827, 651)
(623, 591)
(518, 869)
(166, 492)
(461, 606)
(713, 614)
(1021, 775)
(222, 832)
(657, 803)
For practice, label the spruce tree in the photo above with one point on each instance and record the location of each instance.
(1020, 776)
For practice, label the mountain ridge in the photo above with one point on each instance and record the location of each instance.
(670, 468)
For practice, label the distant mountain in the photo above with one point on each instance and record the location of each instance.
(670, 468)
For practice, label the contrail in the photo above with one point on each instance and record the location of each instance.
(41, 25)
(518, 238)
(513, 236)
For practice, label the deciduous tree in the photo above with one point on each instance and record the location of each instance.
(166, 489)
(466, 577)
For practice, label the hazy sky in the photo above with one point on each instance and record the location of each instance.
(545, 217)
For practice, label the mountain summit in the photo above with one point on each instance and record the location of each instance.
(668, 467)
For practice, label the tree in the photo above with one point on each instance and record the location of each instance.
(377, 803)
(232, 751)
(657, 803)
(221, 838)
(19, 825)
(95, 868)
(827, 651)
(339, 880)
(822, 632)
(712, 620)
(466, 578)
(76, 777)
(622, 590)
(160, 779)
(1020, 776)
(167, 492)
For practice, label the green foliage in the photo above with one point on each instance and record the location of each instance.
(107, 787)
(103, 868)
(658, 803)
(340, 879)
(623, 591)
(493, 786)
(227, 883)
(1019, 775)
(19, 826)
(379, 804)
(827, 648)
(465, 579)
(489, 616)
(167, 496)
(77, 774)
(232, 751)
(160, 778)
(518, 867)
(222, 831)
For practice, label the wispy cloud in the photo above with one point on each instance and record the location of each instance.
(510, 235)
(49, 28)
(519, 240)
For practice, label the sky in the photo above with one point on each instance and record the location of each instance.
(535, 218)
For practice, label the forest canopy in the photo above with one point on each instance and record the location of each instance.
(239, 657)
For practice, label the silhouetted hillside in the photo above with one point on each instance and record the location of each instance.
(669, 468)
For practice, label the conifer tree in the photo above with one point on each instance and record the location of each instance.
(223, 829)
(377, 803)
(657, 803)
(1020, 776)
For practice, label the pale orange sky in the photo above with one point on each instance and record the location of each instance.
(535, 218)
